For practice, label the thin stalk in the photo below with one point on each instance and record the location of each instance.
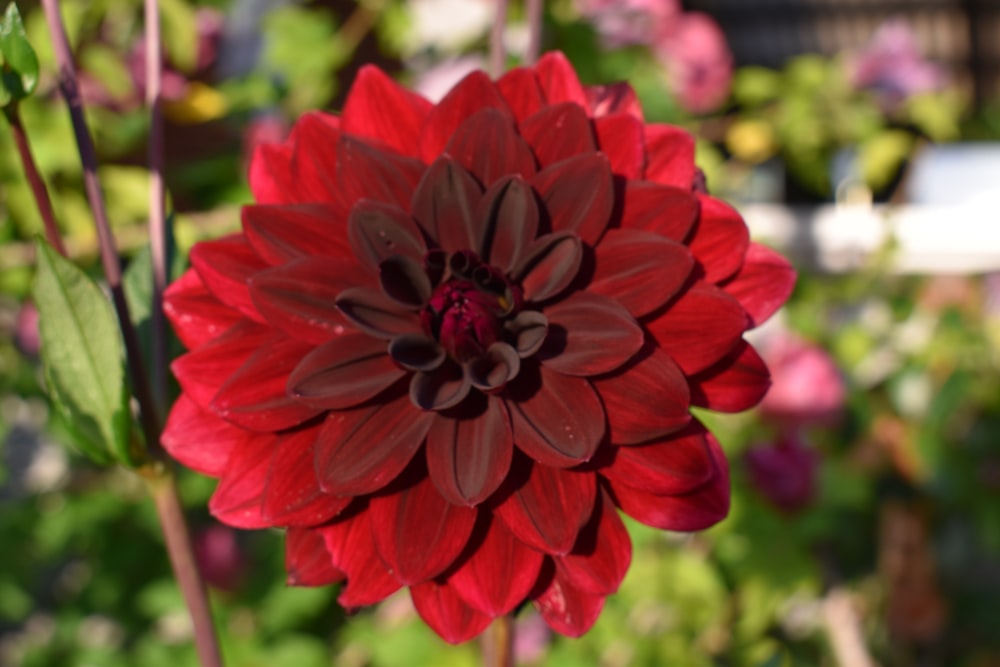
(157, 222)
(38, 188)
(498, 52)
(498, 643)
(70, 90)
(157, 474)
(163, 489)
(534, 48)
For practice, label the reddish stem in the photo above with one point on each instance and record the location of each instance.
(534, 12)
(498, 53)
(160, 482)
(498, 643)
(157, 223)
(38, 188)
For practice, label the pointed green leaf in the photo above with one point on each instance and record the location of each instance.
(21, 64)
(84, 359)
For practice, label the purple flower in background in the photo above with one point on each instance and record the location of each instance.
(806, 385)
(784, 472)
(893, 67)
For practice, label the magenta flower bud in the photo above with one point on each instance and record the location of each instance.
(220, 559)
(784, 473)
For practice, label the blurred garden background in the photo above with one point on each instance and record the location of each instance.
(861, 138)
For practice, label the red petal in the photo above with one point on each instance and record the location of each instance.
(510, 222)
(558, 80)
(446, 613)
(379, 108)
(469, 456)
(613, 98)
(621, 138)
(697, 510)
(567, 609)
(269, 174)
(589, 334)
(307, 561)
(196, 315)
(238, 497)
(417, 532)
(640, 270)
(472, 93)
(647, 399)
(352, 550)
(601, 556)
(578, 194)
(561, 423)
(366, 172)
(720, 240)
(669, 155)
(499, 573)
(488, 146)
(558, 132)
(519, 87)
(292, 496)
(700, 328)
(225, 267)
(736, 383)
(763, 284)
(313, 169)
(255, 396)
(661, 209)
(548, 510)
(363, 449)
(199, 439)
(301, 170)
(202, 371)
(677, 464)
(299, 298)
(280, 234)
(344, 372)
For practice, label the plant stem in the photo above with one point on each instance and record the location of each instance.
(157, 223)
(162, 487)
(498, 54)
(498, 643)
(109, 258)
(158, 475)
(38, 188)
(534, 11)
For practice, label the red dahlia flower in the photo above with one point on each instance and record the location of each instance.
(453, 340)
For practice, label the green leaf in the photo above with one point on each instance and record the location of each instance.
(20, 74)
(84, 359)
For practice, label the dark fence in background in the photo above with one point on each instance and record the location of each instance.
(962, 35)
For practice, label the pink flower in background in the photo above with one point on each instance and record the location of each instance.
(26, 330)
(806, 385)
(698, 59)
(220, 559)
(784, 473)
(624, 22)
(893, 66)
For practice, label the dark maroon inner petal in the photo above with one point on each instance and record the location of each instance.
(378, 231)
(417, 352)
(444, 387)
(496, 368)
(549, 266)
(527, 331)
(375, 314)
(444, 205)
(404, 280)
(344, 372)
(510, 222)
